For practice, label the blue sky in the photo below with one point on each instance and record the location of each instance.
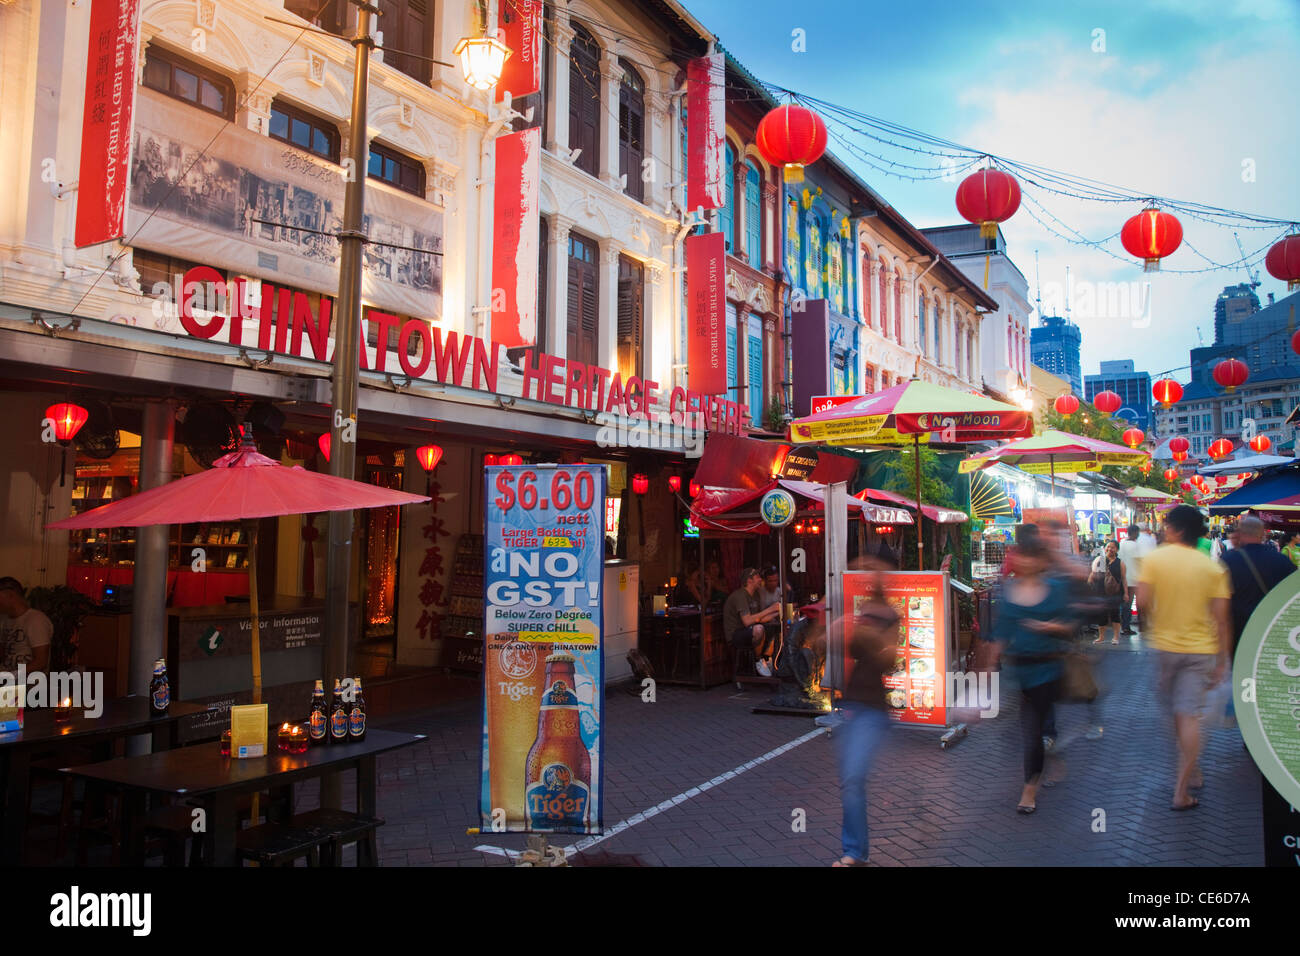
(1184, 93)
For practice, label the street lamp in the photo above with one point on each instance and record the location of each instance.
(481, 60)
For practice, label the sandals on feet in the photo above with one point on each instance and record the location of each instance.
(849, 861)
(1025, 809)
(1191, 805)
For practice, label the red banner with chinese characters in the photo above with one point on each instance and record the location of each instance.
(706, 294)
(106, 122)
(515, 238)
(916, 687)
(706, 131)
(520, 28)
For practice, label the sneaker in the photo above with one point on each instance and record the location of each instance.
(1094, 733)
(1049, 744)
(763, 669)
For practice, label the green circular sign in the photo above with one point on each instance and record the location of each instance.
(777, 508)
(1266, 687)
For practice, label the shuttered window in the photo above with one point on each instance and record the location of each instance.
(407, 26)
(584, 299)
(631, 129)
(584, 100)
(753, 218)
(921, 337)
(631, 307)
(331, 16)
(732, 357)
(727, 214)
(754, 359)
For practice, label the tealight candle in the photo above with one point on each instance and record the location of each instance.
(283, 737)
(297, 739)
(64, 710)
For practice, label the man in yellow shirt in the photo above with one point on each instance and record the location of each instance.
(1184, 596)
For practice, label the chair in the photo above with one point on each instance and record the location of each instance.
(317, 836)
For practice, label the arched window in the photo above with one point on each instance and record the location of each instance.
(851, 306)
(898, 308)
(882, 300)
(835, 273)
(584, 99)
(938, 328)
(631, 129)
(753, 217)
(792, 239)
(920, 325)
(727, 214)
(816, 261)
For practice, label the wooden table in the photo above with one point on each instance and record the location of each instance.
(41, 733)
(201, 772)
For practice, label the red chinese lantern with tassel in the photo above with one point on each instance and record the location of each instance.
(1133, 437)
(512, 460)
(988, 197)
(1261, 444)
(1231, 373)
(1283, 262)
(696, 488)
(1167, 391)
(793, 137)
(674, 483)
(491, 461)
(640, 484)
(1221, 448)
(1179, 445)
(1180, 456)
(1066, 404)
(1145, 467)
(1171, 474)
(1186, 486)
(1220, 480)
(323, 443)
(67, 419)
(1295, 342)
(1151, 235)
(429, 456)
(1107, 402)
(1243, 475)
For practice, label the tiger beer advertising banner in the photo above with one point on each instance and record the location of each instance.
(543, 661)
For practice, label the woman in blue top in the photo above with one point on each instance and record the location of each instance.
(1033, 625)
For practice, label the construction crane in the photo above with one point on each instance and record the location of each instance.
(1253, 276)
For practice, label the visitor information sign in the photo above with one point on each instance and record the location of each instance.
(543, 670)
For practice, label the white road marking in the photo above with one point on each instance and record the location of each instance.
(640, 817)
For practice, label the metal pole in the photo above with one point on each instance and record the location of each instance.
(149, 601)
(920, 551)
(343, 403)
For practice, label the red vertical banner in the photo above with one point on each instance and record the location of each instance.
(106, 123)
(515, 237)
(520, 28)
(706, 125)
(706, 294)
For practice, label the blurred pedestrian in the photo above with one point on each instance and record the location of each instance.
(1292, 548)
(1111, 586)
(1254, 569)
(873, 646)
(1185, 595)
(1130, 555)
(1031, 631)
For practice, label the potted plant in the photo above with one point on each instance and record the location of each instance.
(67, 609)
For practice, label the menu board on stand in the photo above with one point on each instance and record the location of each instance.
(916, 689)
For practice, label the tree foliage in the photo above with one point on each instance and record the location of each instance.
(1090, 423)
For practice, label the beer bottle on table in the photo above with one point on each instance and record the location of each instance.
(357, 716)
(160, 691)
(558, 772)
(318, 720)
(338, 716)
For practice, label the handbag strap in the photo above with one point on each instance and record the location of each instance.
(1253, 570)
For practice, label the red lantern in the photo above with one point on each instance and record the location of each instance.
(1186, 486)
(1222, 448)
(1261, 444)
(1167, 391)
(1171, 474)
(1283, 262)
(696, 488)
(512, 460)
(674, 483)
(798, 527)
(1133, 437)
(1295, 342)
(1179, 444)
(1151, 235)
(323, 443)
(1230, 373)
(1145, 467)
(490, 461)
(1220, 480)
(791, 136)
(1066, 404)
(1243, 475)
(640, 484)
(988, 197)
(68, 419)
(429, 456)
(1107, 402)
(1180, 456)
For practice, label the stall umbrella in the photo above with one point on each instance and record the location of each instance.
(912, 413)
(243, 485)
(1055, 448)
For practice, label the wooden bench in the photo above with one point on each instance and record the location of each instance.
(317, 835)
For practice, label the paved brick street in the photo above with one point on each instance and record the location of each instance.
(927, 806)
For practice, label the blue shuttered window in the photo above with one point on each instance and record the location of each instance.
(754, 358)
(753, 218)
(727, 214)
(732, 358)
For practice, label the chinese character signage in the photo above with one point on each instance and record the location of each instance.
(521, 30)
(106, 121)
(706, 296)
(706, 176)
(543, 672)
(515, 237)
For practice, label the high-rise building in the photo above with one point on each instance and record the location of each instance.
(1234, 304)
(1054, 347)
(1133, 388)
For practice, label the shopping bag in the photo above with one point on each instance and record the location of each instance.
(1219, 710)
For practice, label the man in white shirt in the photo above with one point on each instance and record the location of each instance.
(1130, 555)
(1146, 543)
(25, 632)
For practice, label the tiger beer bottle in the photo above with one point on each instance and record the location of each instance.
(357, 715)
(318, 721)
(160, 692)
(558, 771)
(338, 716)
